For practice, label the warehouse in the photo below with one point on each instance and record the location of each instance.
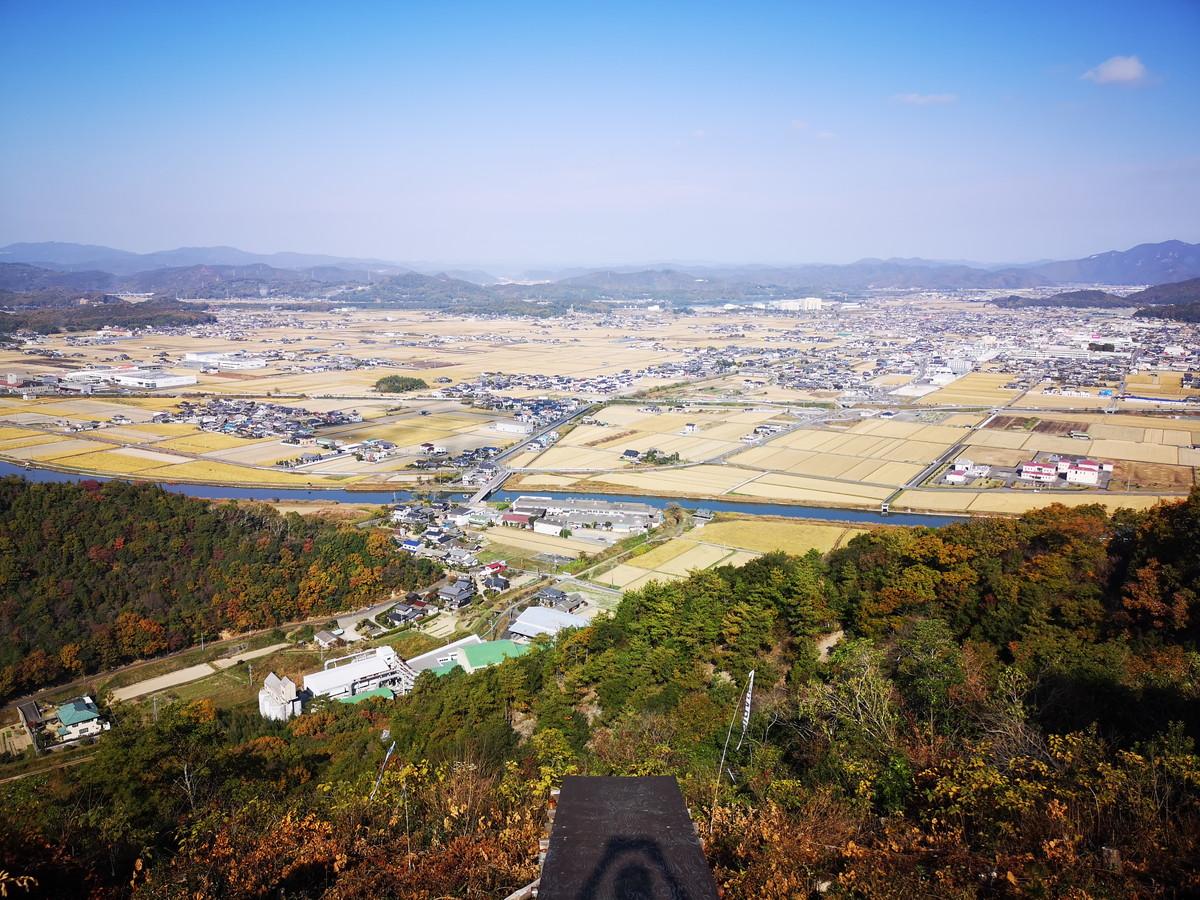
(539, 620)
(223, 361)
(348, 676)
(153, 379)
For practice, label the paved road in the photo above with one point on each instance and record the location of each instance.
(191, 673)
(349, 620)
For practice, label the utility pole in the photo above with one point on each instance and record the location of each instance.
(250, 670)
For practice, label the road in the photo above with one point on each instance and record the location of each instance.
(349, 620)
(191, 673)
(504, 472)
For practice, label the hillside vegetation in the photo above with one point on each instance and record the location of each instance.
(1012, 712)
(399, 384)
(94, 575)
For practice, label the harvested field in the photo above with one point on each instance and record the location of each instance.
(698, 556)
(695, 481)
(973, 389)
(59, 449)
(989, 456)
(530, 541)
(661, 554)
(1154, 476)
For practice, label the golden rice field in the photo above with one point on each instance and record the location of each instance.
(33, 441)
(766, 534)
(204, 442)
(112, 462)
(224, 473)
(730, 541)
(8, 432)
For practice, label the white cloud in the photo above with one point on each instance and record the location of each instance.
(825, 135)
(1117, 70)
(799, 124)
(926, 99)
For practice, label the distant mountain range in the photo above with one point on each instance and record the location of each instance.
(214, 272)
(81, 257)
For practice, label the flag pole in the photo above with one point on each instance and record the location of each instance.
(728, 735)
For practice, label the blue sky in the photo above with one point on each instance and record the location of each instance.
(604, 133)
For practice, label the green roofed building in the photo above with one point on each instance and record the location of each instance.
(473, 657)
(385, 693)
(480, 656)
(79, 718)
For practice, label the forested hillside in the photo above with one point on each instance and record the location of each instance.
(1012, 712)
(94, 575)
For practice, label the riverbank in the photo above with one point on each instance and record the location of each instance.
(326, 495)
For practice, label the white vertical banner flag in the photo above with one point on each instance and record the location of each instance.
(746, 711)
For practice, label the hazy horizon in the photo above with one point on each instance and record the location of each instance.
(617, 136)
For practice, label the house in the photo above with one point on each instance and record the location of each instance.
(551, 596)
(79, 718)
(956, 476)
(631, 456)
(278, 699)
(456, 594)
(537, 620)
(325, 639)
(402, 614)
(461, 557)
(374, 451)
(516, 520)
(495, 582)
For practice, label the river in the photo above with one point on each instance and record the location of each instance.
(223, 492)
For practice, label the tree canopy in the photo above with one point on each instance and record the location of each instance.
(94, 575)
(1011, 710)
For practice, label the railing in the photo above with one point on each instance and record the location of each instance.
(525, 893)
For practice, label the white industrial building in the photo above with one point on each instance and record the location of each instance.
(223, 361)
(512, 426)
(153, 379)
(801, 304)
(554, 514)
(278, 700)
(347, 676)
(543, 620)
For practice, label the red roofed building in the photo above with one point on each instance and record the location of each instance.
(1040, 472)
